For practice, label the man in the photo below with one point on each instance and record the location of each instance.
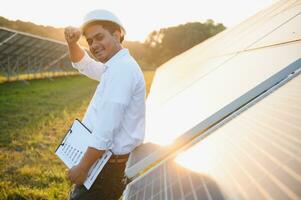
(116, 113)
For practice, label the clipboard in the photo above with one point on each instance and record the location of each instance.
(73, 147)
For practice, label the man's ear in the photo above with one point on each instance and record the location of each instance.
(117, 35)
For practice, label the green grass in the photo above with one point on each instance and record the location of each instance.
(40, 75)
(33, 119)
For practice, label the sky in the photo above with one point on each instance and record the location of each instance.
(140, 17)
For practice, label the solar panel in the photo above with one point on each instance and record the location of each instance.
(276, 25)
(26, 53)
(197, 89)
(255, 155)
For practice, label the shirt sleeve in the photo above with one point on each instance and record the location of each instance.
(89, 67)
(108, 122)
(111, 108)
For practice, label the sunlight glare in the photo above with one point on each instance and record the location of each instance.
(200, 158)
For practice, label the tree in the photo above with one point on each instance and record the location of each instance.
(166, 43)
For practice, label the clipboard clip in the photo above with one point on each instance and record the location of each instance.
(66, 137)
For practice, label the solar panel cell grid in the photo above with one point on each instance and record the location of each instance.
(178, 183)
(4, 35)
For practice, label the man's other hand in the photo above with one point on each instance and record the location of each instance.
(77, 174)
(72, 34)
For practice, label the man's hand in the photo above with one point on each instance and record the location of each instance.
(77, 174)
(72, 34)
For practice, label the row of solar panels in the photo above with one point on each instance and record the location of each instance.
(22, 52)
(257, 154)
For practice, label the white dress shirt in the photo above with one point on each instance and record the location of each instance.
(116, 113)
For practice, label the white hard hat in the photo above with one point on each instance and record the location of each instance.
(102, 15)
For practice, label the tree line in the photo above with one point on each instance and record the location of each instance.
(158, 47)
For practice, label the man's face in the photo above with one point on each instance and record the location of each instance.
(103, 45)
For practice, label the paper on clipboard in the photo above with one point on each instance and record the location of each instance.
(73, 147)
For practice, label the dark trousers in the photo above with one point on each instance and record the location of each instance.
(109, 185)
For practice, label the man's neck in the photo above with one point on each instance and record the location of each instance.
(117, 49)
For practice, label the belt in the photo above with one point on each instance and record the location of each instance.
(119, 158)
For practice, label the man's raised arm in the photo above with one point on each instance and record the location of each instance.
(72, 36)
(79, 58)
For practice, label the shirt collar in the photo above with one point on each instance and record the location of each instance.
(122, 52)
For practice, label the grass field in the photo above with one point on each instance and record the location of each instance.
(40, 75)
(33, 118)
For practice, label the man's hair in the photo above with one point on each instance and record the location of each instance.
(109, 26)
